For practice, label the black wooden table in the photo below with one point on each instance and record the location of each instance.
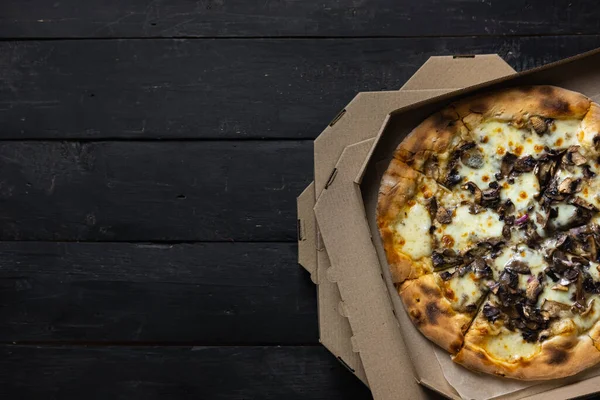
(150, 156)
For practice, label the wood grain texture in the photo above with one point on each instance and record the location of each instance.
(214, 293)
(147, 373)
(152, 191)
(219, 89)
(227, 18)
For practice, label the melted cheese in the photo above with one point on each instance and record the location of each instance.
(521, 192)
(563, 134)
(497, 137)
(465, 291)
(510, 346)
(413, 230)
(467, 229)
(556, 295)
(565, 213)
(533, 259)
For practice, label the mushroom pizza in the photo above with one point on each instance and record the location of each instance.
(489, 217)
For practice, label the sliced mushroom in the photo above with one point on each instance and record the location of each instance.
(579, 295)
(474, 190)
(578, 201)
(445, 259)
(573, 156)
(569, 186)
(475, 208)
(490, 197)
(524, 164)
(532, 237)
(452, 178)
(432, 207)
(493, 286)
(506, 208)
(545, 170)
(569, 276)
(538, 125)
(518, 266)
(534, 288)
(482, 270)
(506, 233)
(589, 308)
(446, 276)
(580, 245)
(508, 162)
(509, 278)
(554, 308)
(472, 157)
(552, 191)
(559, 261)
(587, 172)
(581, 217)
(463, 269)
(491, 313)
(443, 215)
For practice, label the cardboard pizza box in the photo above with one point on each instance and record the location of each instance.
(437, 76)
(345, 219)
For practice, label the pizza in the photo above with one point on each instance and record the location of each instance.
(489, 218)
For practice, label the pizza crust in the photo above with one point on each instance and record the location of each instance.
(433, 314)
(428, 147)
(398, 186)
(559, 357)
(516, 105)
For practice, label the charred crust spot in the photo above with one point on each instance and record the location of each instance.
(557, 356)
(525, 89)
(433, 312)
(480, 107)
(554, 104)
(416, 316)
(455, 346)
(546, 90)
(441, 121)
(429, 291)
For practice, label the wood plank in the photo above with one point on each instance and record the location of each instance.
(227, 18)
(152, 191)
(219, 373)
(219, 89)
(205, 293)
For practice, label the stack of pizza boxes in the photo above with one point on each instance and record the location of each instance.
(361, 318)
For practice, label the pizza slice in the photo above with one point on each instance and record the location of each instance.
(541, 319)
(443, 304)
(426, 228)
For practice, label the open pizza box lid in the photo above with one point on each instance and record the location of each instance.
(343, 156)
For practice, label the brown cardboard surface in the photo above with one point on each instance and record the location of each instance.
(360, 120)
(457, 72)
(376, 332)
(334, 329)
(307, 231)
(581, 74)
